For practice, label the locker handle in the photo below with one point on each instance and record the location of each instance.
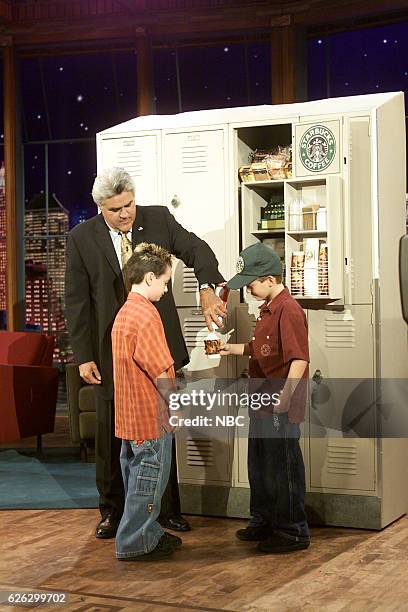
(175, 202)
(317, 377)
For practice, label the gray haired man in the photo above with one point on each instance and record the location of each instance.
(97, 249)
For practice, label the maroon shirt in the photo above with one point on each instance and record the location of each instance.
(280, 336)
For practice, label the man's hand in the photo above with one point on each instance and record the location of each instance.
(89, 373)
(212, 308)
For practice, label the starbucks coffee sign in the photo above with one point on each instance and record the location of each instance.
(317, 148)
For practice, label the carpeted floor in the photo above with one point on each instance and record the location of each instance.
(54, 479)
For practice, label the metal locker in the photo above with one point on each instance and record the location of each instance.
(140, 155)
(195, 193)
(342, 399)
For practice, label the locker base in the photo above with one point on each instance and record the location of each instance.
(357, 511)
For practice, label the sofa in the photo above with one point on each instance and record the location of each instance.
(28, 386)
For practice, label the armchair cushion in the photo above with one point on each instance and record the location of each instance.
(28, 388)
(26, 348)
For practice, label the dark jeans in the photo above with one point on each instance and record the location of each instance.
(109, 480)
(277, 477)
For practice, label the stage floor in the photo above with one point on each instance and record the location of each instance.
(344, 569)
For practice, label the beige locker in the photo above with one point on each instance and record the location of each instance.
(356, 172)
(245, 322)
(195, 193)
(140, 155)
(206, 455)
(342, 353)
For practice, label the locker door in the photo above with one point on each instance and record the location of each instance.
(140, 156)
(358, 211)
(195, 193)
(204, 454)
(245, 317)
(342, 349)
(317, 146)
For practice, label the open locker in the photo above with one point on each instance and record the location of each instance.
(336, 202)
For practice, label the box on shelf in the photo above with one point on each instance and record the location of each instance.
(309, 269)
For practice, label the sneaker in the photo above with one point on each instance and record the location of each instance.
(172, 540)
(253, 534)
(163, 550)
(277, 543)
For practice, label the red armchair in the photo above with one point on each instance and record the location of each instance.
(28, 386)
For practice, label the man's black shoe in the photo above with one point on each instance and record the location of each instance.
(163, 550)
(277, 543)
(176, 523)
(107, 527)
(253, 534)
(172, 540)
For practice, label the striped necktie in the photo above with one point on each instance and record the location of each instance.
(125, 254)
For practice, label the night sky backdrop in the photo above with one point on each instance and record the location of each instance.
(73, 97)
(66, 99)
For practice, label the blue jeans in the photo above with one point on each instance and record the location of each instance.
(145, 471)
(277, 477)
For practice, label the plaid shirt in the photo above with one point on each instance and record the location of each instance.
(140, 354)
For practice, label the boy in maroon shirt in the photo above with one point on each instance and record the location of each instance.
(278, 352)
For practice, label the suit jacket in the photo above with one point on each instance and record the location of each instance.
(94, 288)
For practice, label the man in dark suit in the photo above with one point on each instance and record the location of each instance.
(95, 290)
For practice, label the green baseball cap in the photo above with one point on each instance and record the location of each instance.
(253, 262)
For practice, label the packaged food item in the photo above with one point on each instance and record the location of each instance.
(272, 216)
(212, 344)
(260, 171)
(272, 164)
(309, 213)
(311, 281)
(295, 216)
(323, 269)
(245, 174)
(297, 273)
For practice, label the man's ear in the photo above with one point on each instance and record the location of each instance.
(272, 280)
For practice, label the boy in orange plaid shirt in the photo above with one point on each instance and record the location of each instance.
(141, 358)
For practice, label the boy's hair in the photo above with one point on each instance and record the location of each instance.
(147, 257)
(278, 278)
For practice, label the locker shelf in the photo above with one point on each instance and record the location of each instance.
(316, 233)
(270, 232)
(271, 183)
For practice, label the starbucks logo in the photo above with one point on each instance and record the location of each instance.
(317, 148)
(240, 265)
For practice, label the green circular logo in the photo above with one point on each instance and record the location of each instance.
(317, 148)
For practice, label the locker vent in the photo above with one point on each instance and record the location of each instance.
(341, 459)
(189, 280)
(132, 160)
(194, 159)
(194, 331)
(340, 333)
(200, 453)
